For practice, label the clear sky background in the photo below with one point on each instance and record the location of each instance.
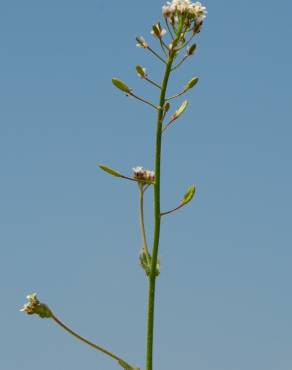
(70, 232)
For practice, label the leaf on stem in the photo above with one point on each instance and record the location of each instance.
(110, 170)
(188, 195)
(119, 84)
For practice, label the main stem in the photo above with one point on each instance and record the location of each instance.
(153, 273)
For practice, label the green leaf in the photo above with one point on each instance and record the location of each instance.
(189, 195)
(110, 170)
(121, 85)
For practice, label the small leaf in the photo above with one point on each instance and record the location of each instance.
(121, 85)
(110, 170)
(189, 195)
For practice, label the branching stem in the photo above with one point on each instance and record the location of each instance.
(142, 222)
(157, 55)
(143, 100)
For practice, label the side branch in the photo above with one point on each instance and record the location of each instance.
(120, 361)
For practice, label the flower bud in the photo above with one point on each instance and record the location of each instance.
(166, 107)
(157, 31)
(191, 50)
(141, 43)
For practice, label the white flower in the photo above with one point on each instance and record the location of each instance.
(195, 10)
(145, 175)
(157, 31)
(35, 307)
(141, 43)
(30, 306)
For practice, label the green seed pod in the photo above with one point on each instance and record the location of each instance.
(121, 85)
(109, 170)
(189, 195)
(141, 71)
(192, 82)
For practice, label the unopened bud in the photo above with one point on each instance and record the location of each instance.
(157, 31)
(141, 43)
(166, 107)
(191, 50)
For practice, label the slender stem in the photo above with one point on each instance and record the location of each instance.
(169, 30)
(143, 100)
(157, 55)
(121, 362)
(157, 217)
(142, 223)
(181, 62)
(163, 47)
(167, 125)
(152, 82)
(135, 180)
(172, 210)
(176, 95)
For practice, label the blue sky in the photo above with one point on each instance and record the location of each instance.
(70, 232)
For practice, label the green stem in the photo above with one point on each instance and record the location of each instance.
(91, 344)
(142, 223)
(157, 217)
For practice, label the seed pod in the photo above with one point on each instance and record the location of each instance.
(189, 195)
(121, 85)
(141, 71)
(109, 170)
(191, 84)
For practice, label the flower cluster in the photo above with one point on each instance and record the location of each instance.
(144, 175)
(34, 306)
(184, 7)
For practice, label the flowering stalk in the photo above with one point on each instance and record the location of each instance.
(157, 217)
(184, 21)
